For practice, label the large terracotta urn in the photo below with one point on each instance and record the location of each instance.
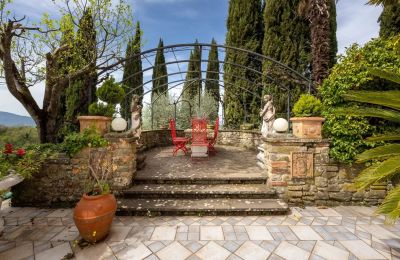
(101, 123)
(93, 216)
(307, 127)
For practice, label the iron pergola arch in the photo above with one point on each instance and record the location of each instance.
(274, 72)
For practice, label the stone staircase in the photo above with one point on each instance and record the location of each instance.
(222, 193)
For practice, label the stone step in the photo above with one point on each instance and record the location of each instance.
(202, 178)
(193, 191)
(199, 207)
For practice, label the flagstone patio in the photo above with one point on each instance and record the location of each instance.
(310, 233)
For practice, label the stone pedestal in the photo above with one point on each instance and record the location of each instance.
(302, 172)
(123, 159)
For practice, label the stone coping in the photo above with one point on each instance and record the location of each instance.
(116, 136)
(9, 181)
(289, 138)
(240, 131)
(219, 130)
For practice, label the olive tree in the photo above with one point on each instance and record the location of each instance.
(33, 52)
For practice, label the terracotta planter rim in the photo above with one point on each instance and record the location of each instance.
(102, 118)
(312, 118)
(95, 197)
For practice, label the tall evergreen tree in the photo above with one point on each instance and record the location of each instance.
(333, 39)
(132, 78)
(82, 91)
(244, 30)
(286, 39)
(390, 20)
(160, 74)
(212, 77)
(192, 87)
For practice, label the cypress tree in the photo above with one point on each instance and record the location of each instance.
(286, 39)
(160, 75)
(244, 30)
(192, 86)
(333, 28)
(212, 77)
(133, 76)
(82, 91)
(390, 20)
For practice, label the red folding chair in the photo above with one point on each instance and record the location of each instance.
(199, 138)
(179, 142)
(213, 140)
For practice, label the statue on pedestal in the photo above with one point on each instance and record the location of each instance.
(136, 110)
(268, 116)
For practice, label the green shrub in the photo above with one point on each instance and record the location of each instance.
(346, 132)
(307, 106)
(110, 92)
(75, 142)
(101, 109)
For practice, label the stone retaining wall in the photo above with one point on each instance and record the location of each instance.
(158, 138)
(303, 174)
(61, 182)
(242, 138)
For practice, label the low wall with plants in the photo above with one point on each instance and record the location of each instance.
(304, 174)
(63, 178)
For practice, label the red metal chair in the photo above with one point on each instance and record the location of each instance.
(213, 140)
(179, 142)
(199, 138)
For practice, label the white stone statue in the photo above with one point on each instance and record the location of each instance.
(136, 109)
(268, 116)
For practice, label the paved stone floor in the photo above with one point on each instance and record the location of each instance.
(310, 233)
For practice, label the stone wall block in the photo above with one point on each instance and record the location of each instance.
(321, 182)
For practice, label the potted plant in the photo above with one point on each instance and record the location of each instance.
(94, 213)
(307, 122)
(100, 114)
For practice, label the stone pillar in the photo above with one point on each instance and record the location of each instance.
(123, 159)
(293, 162)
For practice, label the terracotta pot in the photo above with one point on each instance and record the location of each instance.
(101, 123)
(307, 127)
(93, 216)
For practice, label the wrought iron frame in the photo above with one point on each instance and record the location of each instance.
(285, 73)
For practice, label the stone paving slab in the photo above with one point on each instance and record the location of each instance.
(309, 233)
(228, 164)
(217, 189)
(200, 206)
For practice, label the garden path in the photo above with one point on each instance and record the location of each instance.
(350, 232)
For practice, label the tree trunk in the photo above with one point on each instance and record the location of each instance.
(320, 38)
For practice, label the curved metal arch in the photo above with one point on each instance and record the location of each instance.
(263, 57)
(196, 80)
(262, 75)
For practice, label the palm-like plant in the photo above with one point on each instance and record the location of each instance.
(386, 157)
(317, 13)
(382, 2)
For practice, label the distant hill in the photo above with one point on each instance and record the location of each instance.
(10, 119)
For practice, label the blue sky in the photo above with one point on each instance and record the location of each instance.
(183, 21)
